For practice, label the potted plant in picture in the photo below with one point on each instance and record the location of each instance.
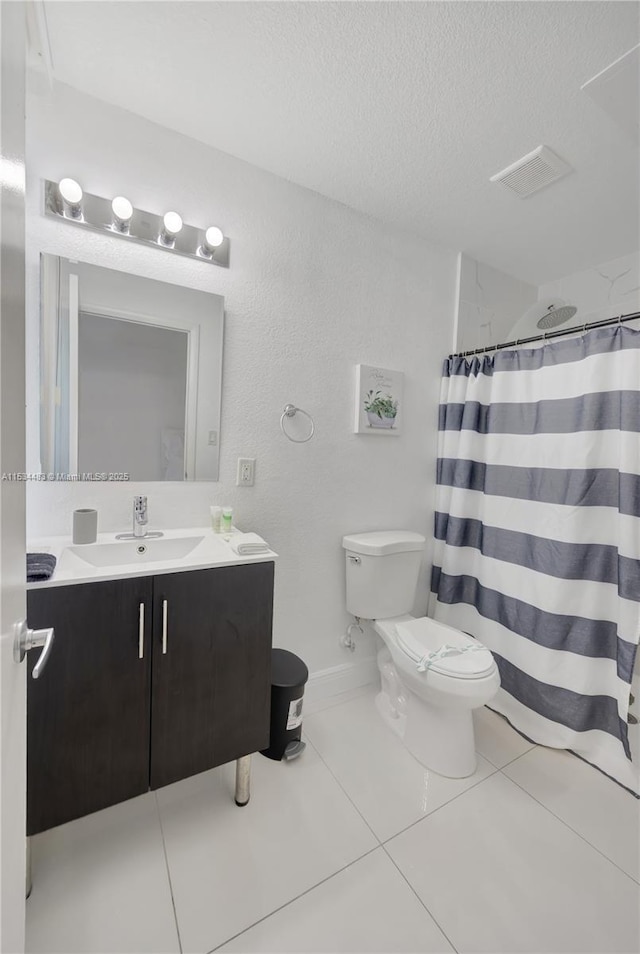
(381, 409)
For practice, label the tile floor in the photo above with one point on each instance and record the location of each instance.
(353, 847)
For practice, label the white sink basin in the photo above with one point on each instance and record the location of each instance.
(127, 552)
(193, 548)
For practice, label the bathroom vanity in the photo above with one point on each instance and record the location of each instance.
(160, 669)
(160, 665)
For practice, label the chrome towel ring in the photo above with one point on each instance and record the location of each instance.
(290, 411)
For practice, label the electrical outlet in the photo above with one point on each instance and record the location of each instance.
(246, 471)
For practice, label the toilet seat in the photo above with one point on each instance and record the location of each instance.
(425, 642)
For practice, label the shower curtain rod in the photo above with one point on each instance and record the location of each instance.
(552, 334)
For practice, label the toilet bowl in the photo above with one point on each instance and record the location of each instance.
(433, 676)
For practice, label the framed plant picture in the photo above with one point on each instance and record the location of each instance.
(379, 407)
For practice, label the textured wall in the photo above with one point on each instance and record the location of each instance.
(313, 289)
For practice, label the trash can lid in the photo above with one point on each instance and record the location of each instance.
(287, 669)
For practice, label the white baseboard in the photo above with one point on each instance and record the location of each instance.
(325, 683)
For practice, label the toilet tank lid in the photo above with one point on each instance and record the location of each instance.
(382, 542)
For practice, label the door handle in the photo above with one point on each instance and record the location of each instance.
(141, 631)
(25, 639)
(164, 627)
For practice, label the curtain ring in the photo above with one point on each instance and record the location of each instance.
(290, 411)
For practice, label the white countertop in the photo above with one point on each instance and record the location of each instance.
(213, 550)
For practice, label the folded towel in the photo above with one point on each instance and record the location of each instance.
(40, 566)
(248, 544)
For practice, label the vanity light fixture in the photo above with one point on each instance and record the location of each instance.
(66, 201)
(122, 214)
(70, 193)
(213, 239)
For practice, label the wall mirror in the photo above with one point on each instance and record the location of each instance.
(130, 375)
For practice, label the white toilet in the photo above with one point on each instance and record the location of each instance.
(432, 675)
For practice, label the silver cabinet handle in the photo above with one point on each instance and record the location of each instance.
(164, 627)
(141, 631)
(25, 639)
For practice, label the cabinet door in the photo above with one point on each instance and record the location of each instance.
(88, 713)
(211, 668)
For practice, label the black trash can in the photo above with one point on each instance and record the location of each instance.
(288, 677)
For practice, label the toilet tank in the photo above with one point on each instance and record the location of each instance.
(382, 570)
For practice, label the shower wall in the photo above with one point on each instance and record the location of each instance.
(603, 291)
(489, 304)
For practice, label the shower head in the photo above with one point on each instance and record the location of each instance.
(555, 315)
(544, 315)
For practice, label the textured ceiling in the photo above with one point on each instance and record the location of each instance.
(401, 110)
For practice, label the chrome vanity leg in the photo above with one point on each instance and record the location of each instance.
(28, 882)
(243, 778)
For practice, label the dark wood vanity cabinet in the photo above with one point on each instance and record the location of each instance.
(150, 679)
(211, 668)
(88, 713)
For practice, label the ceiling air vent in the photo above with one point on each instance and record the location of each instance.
(533, 172)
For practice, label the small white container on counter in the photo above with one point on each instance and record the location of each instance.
(85, 525)
(216, 519)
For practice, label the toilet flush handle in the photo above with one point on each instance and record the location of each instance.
(354, 559)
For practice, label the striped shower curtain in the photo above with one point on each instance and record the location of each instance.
(537, 529)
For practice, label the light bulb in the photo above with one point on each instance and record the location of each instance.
(70, 191)
(71, 195)
(122, 209)
(213, 237)
(172, 223)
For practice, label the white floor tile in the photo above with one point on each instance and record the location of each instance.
(389, 787)
(590, 803)
(500, 874)
(368, 907)
(100, 884)
(496, 740)
(232, 866)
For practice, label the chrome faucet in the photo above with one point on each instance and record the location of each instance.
(140, 517)
(140, 521)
